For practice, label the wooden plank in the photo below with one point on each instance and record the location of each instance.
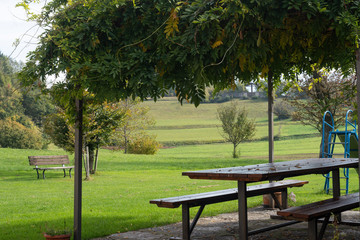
(54, 168)
(321, 208)
(226, 195)
(49, 160)
(266, 188)
(275, 171)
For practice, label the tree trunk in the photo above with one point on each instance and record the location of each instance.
(234, 151)
(96, 158)
(87, 168)
(125, 140)
(91, 159)
(85, 161)
(326, 136)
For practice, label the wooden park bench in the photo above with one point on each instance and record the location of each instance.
(312, 212)
(50, 160)
(203, 199)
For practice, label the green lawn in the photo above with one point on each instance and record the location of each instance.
(117, 198)
(185, 124)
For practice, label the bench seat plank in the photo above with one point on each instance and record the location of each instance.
(203, 199)
(320, 209)
(50, 160)
(225, 195)
(54, 168)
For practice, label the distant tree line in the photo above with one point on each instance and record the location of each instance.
(31, 118)
(21, 110)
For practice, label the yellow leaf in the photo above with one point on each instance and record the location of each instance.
(216, 44)
(143, 48)
(310, 86)
(233, 84)
(258, 42)
(265, 69)
(172, 24)
(242, 61)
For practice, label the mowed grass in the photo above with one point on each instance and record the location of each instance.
(168, 112)
(117, 197)
(178, 124)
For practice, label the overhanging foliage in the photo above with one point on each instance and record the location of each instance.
(121, 48)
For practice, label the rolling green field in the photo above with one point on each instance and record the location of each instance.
(185, 124)
(117, 198)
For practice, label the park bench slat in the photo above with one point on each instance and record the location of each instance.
(50, 160)
(225, 195)
(321, 208)
(203, 199)
(312, 212)
(54, 168)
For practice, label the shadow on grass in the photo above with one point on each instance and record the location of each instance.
(26, 176)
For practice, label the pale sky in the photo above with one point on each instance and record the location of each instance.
(13, 25)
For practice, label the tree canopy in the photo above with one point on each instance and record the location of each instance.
(334, 93)
(21, 110)
(121, 48)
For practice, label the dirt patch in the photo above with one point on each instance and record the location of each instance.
(225, 226)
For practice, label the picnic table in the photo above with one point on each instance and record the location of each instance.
(273, 171)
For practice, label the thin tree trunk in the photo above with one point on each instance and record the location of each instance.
(125, 140)
(96, 158)
(84, 159)
(91, 160)
(87, 164)
(234, 151)
(326, 137)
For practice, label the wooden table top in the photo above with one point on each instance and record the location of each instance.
(275, 171)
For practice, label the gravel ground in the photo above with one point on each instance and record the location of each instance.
(225, 226)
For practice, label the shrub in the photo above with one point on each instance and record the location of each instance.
(295, 116)
(16, 135)
(144, 145)
(283, 110)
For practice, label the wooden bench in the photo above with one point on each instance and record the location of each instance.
(312, 212)
(50, 160)
(203, 199)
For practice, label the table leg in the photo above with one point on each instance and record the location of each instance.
(336, 189)
(336, 183)
(242, 205)
(284, 198)
(186, 221)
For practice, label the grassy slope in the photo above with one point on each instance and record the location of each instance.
(117, 198)
(176, 124)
